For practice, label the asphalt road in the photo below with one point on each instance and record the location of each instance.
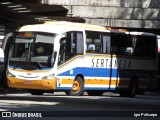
(58, 105)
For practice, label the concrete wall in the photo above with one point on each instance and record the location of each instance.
(106, 3)
(114, 13)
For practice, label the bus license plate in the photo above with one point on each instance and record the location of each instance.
(27, 82)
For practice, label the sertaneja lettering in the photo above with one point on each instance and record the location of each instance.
(99, 63)
(105, 63)
(124, 63)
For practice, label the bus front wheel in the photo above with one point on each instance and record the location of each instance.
(77, 89)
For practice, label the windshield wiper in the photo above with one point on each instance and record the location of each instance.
(39, 65)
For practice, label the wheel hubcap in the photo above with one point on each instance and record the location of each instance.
(76, 86)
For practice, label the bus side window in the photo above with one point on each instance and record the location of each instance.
(80, 43)
(114, 43)
(106, 43)
(93, 42)
(74, 44)
(121, 44)
(146, 46)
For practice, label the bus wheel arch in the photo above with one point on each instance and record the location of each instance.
(78, 86)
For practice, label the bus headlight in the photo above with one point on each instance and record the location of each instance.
(10, 75)
(48, 77)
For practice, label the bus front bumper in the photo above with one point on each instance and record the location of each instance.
(32, 84)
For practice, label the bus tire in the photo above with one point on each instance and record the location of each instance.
(131, 91)
(95, 92)
(132, 88)
(36, 92)
(78, 86)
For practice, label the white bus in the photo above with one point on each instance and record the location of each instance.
(76, 57)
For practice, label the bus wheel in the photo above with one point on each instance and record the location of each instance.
(36, 92)
(77, 89)
(95, 93)
(131, 91)
(132, 88)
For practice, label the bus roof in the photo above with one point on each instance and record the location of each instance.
(76, 25)
(60, 27)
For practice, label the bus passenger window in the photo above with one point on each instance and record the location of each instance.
(121, 44)
(145, 46)
(93, 40)
(105, 43)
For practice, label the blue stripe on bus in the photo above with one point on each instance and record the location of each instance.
(105, 72)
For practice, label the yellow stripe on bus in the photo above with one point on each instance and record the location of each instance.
(106, 81)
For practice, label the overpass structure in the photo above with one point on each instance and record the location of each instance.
(141, 15)
(15, 13)
(135, 14)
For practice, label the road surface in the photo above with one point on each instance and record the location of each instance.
(60, 105)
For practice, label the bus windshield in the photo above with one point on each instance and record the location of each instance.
(32, 51)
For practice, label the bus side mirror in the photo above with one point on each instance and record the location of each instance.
(129, 51)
